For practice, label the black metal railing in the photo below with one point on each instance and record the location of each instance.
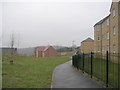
(105, 67)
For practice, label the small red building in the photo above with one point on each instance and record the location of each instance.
(45, 51)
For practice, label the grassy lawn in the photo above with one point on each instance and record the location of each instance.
(29, 72)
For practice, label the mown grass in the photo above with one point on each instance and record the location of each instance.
(29, 72)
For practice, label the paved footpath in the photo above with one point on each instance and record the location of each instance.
(65, 76)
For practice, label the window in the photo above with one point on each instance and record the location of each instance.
(98, 38)
(114, 48)
(98, 49)
(114, 30)
(107, 22)
(103, 49)
(113, 12)
(107, 48)
(108, 35)
(104, 36)
(103, 25)
(98, 29)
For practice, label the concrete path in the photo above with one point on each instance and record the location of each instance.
(65, 76)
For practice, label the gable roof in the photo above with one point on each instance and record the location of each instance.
(88, 40)
(42, 48)
(101, 21)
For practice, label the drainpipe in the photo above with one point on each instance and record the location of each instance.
(109, 38)
(101, 51)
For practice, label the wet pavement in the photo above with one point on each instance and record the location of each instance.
(66, 76)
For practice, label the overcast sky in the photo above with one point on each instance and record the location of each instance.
(36, 23)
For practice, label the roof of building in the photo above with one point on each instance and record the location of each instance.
(101, 21)
(88, 40)
(42, 48)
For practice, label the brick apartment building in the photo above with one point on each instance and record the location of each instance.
(87, 46)
(107, 32)
(45, 51)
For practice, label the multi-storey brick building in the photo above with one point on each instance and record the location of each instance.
(87, 46)
(107, 31)
(115, 27)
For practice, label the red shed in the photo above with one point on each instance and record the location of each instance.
(45, 51)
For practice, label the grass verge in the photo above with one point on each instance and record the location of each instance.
(29, 72)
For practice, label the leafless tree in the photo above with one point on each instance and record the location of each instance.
(12, 43)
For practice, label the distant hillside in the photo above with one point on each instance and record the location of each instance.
(26, 51)
(30, 50)
(63, 48)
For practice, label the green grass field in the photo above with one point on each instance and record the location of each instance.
(29, 72)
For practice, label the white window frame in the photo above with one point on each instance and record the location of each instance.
(113, 12)
(103, 25)
(103, 49)
(107, 48)
(107, 35)
(98, 38)
(104, 36)
(107, 22)
(114, 48)
(114, 30)
(98, 49)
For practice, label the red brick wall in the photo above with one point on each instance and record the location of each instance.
(50, 52)
(39, 53)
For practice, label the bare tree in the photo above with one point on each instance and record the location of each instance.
(12, 43)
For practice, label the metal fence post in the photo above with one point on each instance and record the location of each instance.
(77, 58)
(79, 61)
(107, 69)
(72, 61)
(118, 72)
(73, 58)
(83, 62)
(91, 64)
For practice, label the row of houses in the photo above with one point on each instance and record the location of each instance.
(106, 33)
